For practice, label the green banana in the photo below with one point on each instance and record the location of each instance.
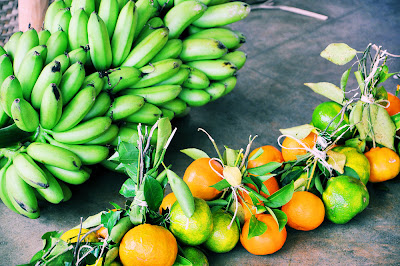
(67, 193)
(78, 55)
(202, 49)
(217, 2)
(56, 45)
(54, 193)
(195, 97)
(10, 90)
(61, 21)
(142, 53)
(3, 189)
(4, 118)
(196, 80)
(21, 195)
(100, 106)
(120, 229)
(238, 58)
(149, 27)
(112, 166)
(228, 37)
(185, 112)
(172, 49)
(167, 113)
(77, 30)
(165, 5)
(148, 114)
(223, 14)
(177, 79)
(126, 134)
(122, 3)
(96, 79)
(2, 51)
(216, 90)
(242, 39)
(29, 171)
(24, 116)
(41, 50)
(107, 137)
(177, 2)
(156, 94)
(63, 59)
(182, 15)
(27, 41)
(84, 132)
(121, 42)
(146, 9)
(53, 155)
(229, 84)
(6, 68)
(71, 82)
(108, 11)
(215, 69)
(124, 106)
(177, 106)
(51, 73)
(11, 46)
(88, 5)
(193, 29)
(51, 107)
(121, 78)
(99, 42)
(51, 13)
(158, 72)
(44, 36)
(13, 135)
(71, 177)
(76, 109)
(68, 3)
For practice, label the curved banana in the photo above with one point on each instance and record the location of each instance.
(156, 94)
(51, 107)
(196, 80)
(177, 106)
(229, 84)
(63, 59)
(195, 97)
(3, 189)
(122, 3)
(109, 11)
(226, 36)
(71, 82)
(51, 13)
(167, 113)
(215, 69)
(44, 36)
(178, 79)
(6, 68)
(171, 50)
(146, 9)
(223, 14)
(29, 171)
(126, 134)
(67, 193)
(61, 21)
(88, 6)
(121, 78)
(54, 192)
(148, 114)
(71, 177)
(99, 42)
(40, 49)
(107, 137)
(56, 45)
(124, 106)
(182, 15)
(97, 79)
(29, 72)
(216, 90)
(177, 2)
(242, 39)
(78, 55)
(193, 29)
(10, 90)
(238, 58)
(77, 30)
(24, 116)
(100, 106)
(27, 41)
(202, 49)
(149, 27)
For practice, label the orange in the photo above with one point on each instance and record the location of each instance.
(102, 233)
(270, 154)
(304, 211)
(199, 177)
(394, 106)
(148, 244)
(167, 202)
(291, 148)
(270, 242)
(384, 162)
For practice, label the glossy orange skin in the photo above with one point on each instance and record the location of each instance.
(305, 211)
(167, 202)
(270, 154)
(199, 177)
(291, 148)
(269, 242)
(384, 162)
(148, 244)
(394, 106)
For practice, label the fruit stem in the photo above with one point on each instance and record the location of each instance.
(213, 142)
(312, 174)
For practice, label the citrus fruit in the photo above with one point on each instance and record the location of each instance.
(195, 256)
(270, 154)
(148, 244)
(269, 242)
(71, 236)
(356, 161)
(385, 164)
(394, 106)
(195, 230)
(344, 197)
(199, 176)
(325, 113)
(167, 202)
(291, 148)
(223, 237)
(102, 233)
(304, 211)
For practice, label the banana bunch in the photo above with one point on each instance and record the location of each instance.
(73, 91)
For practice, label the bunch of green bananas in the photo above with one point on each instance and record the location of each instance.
(96, 70)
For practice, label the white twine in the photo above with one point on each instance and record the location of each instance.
(370, 100)
(140, 202)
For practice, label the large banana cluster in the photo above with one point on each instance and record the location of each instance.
(97, 69)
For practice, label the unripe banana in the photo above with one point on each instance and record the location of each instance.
(99, 42)
(63, 59)
(142, 53)
(171, 50)
(215, 69)
(84, 132)
(44, 36)
(28, 40)
(51, 107)
(217, 2)
(228, 37)
(202, 49)
(108, 11)
(158, 72)
(96, 79)
(177, 106)
(193, 29)
(3, 189)
(216, 90)
(24, 116)
(53, 155)
(121, 78)
(68, 3)
(126, 134)
(40, 49)
(71, 82)
(100, 106)
(238, 58)
(178, 79)
(51, 13)
(124, 33)
(148, 114)
(6, 68)
(4, 118)
(223, 14)
(149, 27)
(54, 193)
(124, 106)
(157, 94)
(50, 74)
(67, 193)
(88, 5)
(21, 195)
(61, 21)
(177, 2)
(165, 4)
(195, 97)
(242, 39)
(56, 45)
(167, 113)
(11, 46)
(107, 137)
(78, 55)
(229, 84)
(146, 9)
(10, 90)
(197, 79)
(29, 171)
(181, 16)
(76, 109)
(122, 3)
(71, 177)
(77, 30)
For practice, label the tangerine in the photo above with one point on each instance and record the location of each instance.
(384, 162)
(270, 154)
(167, 202)
(394, 106)
(291, 148)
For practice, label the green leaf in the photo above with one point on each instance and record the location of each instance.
(318, 185)
(382, 127)
(164, 131)
(217, 202)
(396, 120)
(153, 193)
(280, 197)
(338, 53)
(279, 216)
(195, 153)
(181, 261)
(264, 169)
(257, 154)
(256, 227)
(344, 79)
(291, 175)
(230, 155)
(115, 205)
(128, 153)
(299, 132)
(336, 160)
(221, 185)
(384, 74)
(182, 192)
(381, 94)
(350, 172)
(328, 90)
(357, 144)
(128, 189)
(109, 219)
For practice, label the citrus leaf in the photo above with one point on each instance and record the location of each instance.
(264, 169)
(181, 261)
(281, 197)
(351, 172)
(128, 189)
(115, 205)
(356, 143)
(299, 132)
(384, 129)
(381, 94)
(128, 153)
(182, 192)
(396, 120)
(260, 209)
(328, 90)
(109, 219)
(318, 185)
(221, 185)
(195, 153)
(336, 160)
(153, 193)
(344, 79)
(257, 154)
(256, 227)
(230, 156)
(248, 180)
(338, 53)
(164, 131)
(279, 216)
(217, 202)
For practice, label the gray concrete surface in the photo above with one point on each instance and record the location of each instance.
(283, 53)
